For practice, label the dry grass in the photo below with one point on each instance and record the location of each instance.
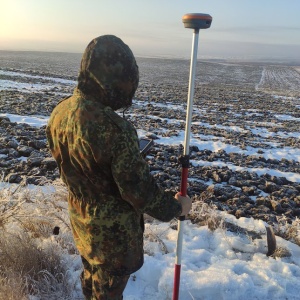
(21, 204)
(289, 232)
(205, 214)
(209, 216)
(12, 286)
(32, 260)
(21, 254)
(152, 238)
(35, 262)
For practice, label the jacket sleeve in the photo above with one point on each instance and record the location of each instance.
(136, 184)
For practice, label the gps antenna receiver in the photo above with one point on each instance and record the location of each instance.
(197, 21)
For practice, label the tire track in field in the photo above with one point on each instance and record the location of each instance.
(279, 78)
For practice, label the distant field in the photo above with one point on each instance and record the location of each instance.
(280, 79)
(297, 69)
(177, 71)
(257, 76)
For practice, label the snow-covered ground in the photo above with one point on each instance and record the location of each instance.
(216, 265)
(210, 142)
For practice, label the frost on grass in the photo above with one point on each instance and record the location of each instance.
(223, 258)
(36, 264)
(208, 215)
(33, 261)
(289, 232)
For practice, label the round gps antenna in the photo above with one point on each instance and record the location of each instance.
(197, 21)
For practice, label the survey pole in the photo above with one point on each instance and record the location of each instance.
(194, 21)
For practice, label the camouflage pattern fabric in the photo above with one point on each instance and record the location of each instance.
(99, 284)
(109, 72)
(109, 183)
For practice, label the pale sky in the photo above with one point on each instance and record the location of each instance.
(240, 28)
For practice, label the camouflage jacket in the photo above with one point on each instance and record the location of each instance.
(109, 183)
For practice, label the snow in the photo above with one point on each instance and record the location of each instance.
(287, 117)
(215, 265)
(216, 144)
(295, 177)
(211, 269)
(25, 75)
(24, 87)
(37, 121)
(7, 84)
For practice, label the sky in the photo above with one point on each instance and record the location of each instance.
(240, 29)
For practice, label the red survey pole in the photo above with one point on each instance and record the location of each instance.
(196, 22)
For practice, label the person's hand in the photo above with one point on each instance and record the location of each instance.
(185, 202)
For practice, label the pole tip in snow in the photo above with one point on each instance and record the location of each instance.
(197, 21)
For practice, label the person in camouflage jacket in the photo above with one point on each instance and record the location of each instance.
(109, 183)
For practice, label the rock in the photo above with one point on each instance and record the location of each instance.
(260, 201)
(152, 136)
(12, 144)
(35, 161)
(216, 177)
(296, 212)
(271, 187)
(13, 153)
(225, 175)
(276, 206)
(240, 213)
(194, 149)
(49, 163)
(36, 144)
(223, 190)
(4, 119)
(249, 190)
(25, 150)
(232, 180)
(13, 178)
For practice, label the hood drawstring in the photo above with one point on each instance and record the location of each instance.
(124, 110)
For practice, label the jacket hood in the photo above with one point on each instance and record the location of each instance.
(109, 72)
